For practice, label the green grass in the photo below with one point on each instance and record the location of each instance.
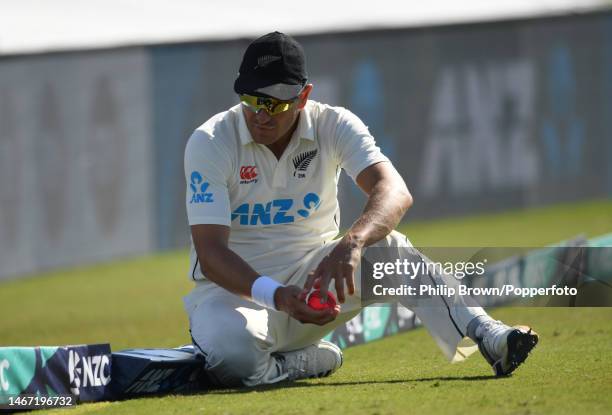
(137, 303)
(534, 227)
(569, 373)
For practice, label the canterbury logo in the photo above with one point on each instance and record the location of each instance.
(248, 172)
(265, 60)
(301, 162)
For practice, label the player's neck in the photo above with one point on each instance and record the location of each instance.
(279, 146)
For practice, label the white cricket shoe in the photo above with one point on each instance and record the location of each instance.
(314, 361)
(505, 347)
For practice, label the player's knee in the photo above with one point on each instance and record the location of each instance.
(393, 247)
(231, 358)
(394, 239)
(398, 239)
(233, 365)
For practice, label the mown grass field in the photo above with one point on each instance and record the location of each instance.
(137, 303)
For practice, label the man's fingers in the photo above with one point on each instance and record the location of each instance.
(327, 317)
(310, 280)
(325, 277)
(305, 314)
(350, 282)
(348, 275)
(340, 289)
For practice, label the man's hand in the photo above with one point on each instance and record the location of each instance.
(388, 200)
(339, 265)
(288, 299)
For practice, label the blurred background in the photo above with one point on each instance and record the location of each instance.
(482, 106)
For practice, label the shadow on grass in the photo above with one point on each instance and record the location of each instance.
(304, 384)
(298, 384)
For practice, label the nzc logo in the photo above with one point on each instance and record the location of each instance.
(88, 371)
(198, 187)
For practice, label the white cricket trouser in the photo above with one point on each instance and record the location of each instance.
(237, 336)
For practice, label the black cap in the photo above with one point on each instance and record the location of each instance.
(273, 65)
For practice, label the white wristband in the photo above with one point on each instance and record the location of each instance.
(262, 291)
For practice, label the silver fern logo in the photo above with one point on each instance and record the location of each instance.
(265, 60)
(302, 161)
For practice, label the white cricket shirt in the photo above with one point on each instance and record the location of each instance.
(278, 210)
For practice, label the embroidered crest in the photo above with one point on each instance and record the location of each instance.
(265, 60)
(302, 161)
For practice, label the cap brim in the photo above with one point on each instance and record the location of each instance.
(245, 84)
(281, 91)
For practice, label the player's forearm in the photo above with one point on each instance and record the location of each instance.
(387, 203)
(227, 269)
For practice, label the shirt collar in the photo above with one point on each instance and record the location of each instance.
(304, 128)
(243, 131)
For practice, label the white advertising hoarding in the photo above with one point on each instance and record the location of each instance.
(75, 159)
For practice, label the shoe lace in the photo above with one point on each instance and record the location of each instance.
(282, 371)
(298, 367)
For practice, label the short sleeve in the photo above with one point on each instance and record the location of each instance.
(355, 147)
(207, 167)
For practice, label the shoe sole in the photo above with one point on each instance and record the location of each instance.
(521, 342)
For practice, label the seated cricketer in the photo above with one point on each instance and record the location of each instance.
(263, 211)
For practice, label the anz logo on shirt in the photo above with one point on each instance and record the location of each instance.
(276, 211)
(199, 188)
